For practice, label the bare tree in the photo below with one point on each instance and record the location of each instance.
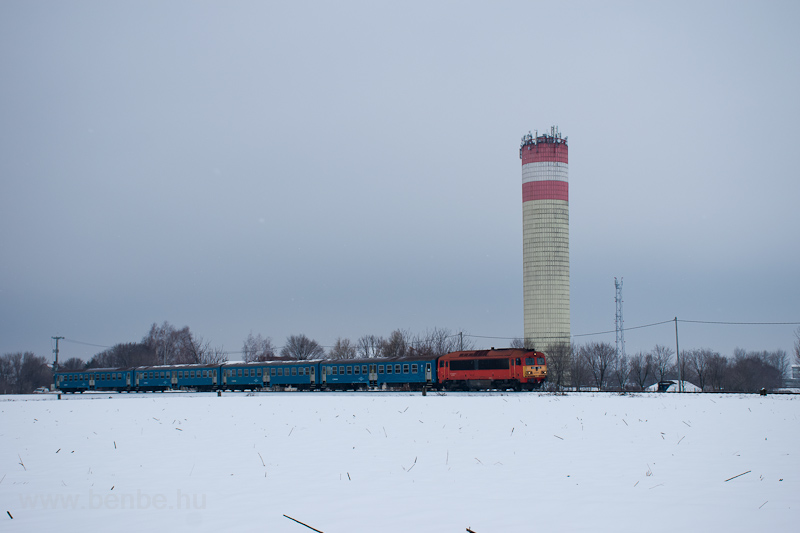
(439, 341)
(213, 356)
(342, 349)
(257, 348)
(301, 347)
(370, 346)
(124, 355)
(700, 363)
(578, 369)
(171, 345)
(21, 373)
(641, 368)
(717, 371)
(599, 357)
(662, 361)
(398, 344)
(72, 364)
(559, 358)
(751, 371)
(621, 371)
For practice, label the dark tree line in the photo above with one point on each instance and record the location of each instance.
(21, 373)
(597, 365)
(400, 343)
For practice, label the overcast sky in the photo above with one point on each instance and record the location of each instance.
(340, 169)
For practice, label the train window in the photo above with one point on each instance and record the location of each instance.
(312, 370)
(280, 372)
(396, 369)
(192, 374)
(463, 364)
(441, 363)
(518, 361)
(180, 374)
(492, 364)
(356, 369)
(333, 370)
(380, 369)
(414, 369)
(405, 369)
(364, 369)
(151, 375)
(388, 369)
(259, 371)
(349, 370)
(274, 371)
(240, 372)
(294, 370)
(541, 360)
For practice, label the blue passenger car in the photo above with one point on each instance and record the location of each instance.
(348, 374)
(110, 379)
(195, 377)
(152, 378)
(72, 381)
(292, 374)
(358, 374)
(407, 372)
(274, 375)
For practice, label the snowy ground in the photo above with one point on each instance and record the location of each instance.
(400, 462)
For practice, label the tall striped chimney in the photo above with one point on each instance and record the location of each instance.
(545, 238)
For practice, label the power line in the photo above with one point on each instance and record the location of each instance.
(672, 320)
(740, 323)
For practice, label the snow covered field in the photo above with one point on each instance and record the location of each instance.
(400, 462)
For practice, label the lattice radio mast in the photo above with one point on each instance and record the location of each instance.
(618, 321)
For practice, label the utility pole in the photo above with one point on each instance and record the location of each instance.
(55, 363)
(678, 358)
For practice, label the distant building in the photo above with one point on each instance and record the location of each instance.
(794, 381)
(545, 238)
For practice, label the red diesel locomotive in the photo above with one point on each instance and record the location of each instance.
(492, 369)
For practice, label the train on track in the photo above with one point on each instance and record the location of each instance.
(509, 368)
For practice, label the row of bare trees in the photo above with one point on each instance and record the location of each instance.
(593, 365)
(597, 365)
(22, 372)
(400, 343)
(163, 345)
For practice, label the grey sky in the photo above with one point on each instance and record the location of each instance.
(342, 169)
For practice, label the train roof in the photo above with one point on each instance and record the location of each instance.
(502, 352)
